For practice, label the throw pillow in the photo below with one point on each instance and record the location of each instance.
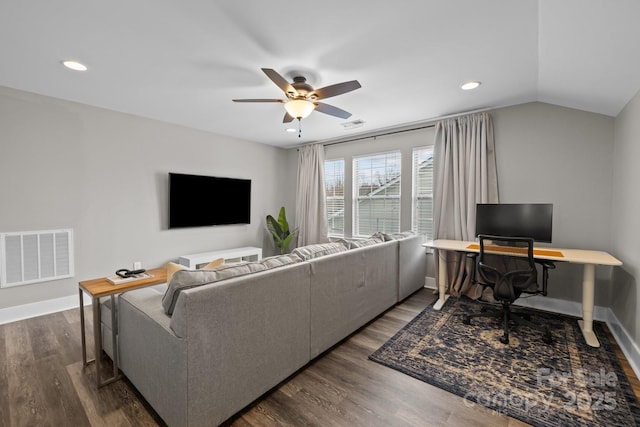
(213, 264)
(380, 235)
(314, 251)
(187, 279)
(172, 267)
(403, 235)
(366, 242)
(280, 260)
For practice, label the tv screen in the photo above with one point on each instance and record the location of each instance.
(197, 200)
(533, 220)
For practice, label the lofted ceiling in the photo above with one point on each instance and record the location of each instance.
(184, 61)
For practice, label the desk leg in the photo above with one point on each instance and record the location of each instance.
(442, 280)
(586, 324)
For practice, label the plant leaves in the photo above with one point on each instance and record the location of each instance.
(282, 220)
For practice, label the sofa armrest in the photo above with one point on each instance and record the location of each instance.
(244, 335)
(412, 265)
(151, 355)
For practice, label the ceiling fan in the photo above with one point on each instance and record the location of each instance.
(302, 98)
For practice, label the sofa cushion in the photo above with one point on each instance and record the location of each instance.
(384, 236)
(366, 242)
(403, 235)
(314, 251)
(187, 279)
(213, 264)
(280, 260)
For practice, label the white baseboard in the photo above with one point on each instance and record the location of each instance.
(430, 282)
(40, 308)
(604, 314)
(624, 340)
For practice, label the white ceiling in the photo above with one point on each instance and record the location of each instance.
(182, 61)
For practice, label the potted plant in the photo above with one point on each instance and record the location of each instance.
(279, 229)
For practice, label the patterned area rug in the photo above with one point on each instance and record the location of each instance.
(567, 383)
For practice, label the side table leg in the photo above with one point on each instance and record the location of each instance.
(82, 330)
(97, 338)
(114, 334)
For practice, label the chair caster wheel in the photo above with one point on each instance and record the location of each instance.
(504, 340)
(466, 320)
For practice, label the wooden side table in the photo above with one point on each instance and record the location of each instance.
(97, 288)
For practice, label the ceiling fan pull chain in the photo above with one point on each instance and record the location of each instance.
(299, 127)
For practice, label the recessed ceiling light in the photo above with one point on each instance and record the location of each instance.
(291, 130)
(470, 85)
(74, 65)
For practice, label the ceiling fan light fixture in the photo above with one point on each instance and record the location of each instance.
(299, 108)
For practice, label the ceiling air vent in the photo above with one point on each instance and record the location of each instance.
(353, 124)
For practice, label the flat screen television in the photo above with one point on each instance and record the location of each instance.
(533, 220)
(198, 200)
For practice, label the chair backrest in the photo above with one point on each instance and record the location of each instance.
(507, 264)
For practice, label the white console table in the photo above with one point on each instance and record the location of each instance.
(249, 253)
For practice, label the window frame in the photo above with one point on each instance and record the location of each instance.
(357, 198)
(334, 198)
(416, 189)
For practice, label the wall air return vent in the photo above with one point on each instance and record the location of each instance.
(35, 256)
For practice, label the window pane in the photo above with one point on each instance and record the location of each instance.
(334, 186)
(377, 186)
(422, 206)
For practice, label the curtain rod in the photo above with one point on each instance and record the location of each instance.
(430, 125)
(379, 134)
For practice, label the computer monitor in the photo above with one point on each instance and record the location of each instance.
(533, 220)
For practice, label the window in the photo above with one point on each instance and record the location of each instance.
(376, 193)
(334, 186)
(422, 204)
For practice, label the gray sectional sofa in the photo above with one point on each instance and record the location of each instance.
(228, 342)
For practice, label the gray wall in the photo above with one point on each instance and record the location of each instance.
(551, 154)
(544, 154)
(625, 218)
(105, 175)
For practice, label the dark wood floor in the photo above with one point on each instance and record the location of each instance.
(43, 383)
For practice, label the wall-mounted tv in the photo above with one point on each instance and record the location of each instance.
(198, 200)
(533, 220)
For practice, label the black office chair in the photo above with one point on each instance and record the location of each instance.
(508, 284)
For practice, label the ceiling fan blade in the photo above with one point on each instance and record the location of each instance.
(288, 118)
(331, 110)
(336, 89)
(280, 81)
(258, 100)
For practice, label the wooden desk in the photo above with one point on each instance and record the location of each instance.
(588, 258)
(98, 288)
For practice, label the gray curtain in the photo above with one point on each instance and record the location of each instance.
(464, 174)
(311, 211)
